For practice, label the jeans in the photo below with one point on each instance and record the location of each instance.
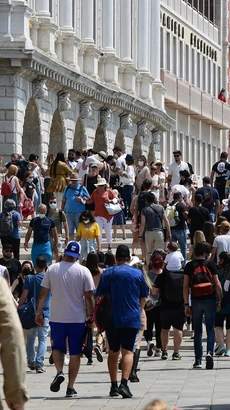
(127, 196)
(41, 249)
(179, 235)
(42, 332)
(87, 245)
(73, 221)
(208, 309)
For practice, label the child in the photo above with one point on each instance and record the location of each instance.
(174, 260)
(88, 234)
(119, 218)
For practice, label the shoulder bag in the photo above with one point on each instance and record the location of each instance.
(111, 208)
(27, 311)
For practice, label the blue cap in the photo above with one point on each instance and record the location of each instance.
(73, 249)
(129, 157)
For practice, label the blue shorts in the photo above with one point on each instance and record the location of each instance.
(125, 338)
(73, 331)
(73, 221)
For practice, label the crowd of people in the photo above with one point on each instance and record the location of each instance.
(69, 202)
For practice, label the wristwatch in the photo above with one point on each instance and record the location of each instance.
(186, 304)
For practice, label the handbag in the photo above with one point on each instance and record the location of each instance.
(112, 208)
(27, 312)
(151, 302)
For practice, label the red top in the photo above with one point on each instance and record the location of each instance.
(222, 97)
(99, 201)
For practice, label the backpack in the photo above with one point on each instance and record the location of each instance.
(174, 286)
(103, 313)
(201, 282)
(208, 201)
(6, 223)
(7, 188)
(172, 214)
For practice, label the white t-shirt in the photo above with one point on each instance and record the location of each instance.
(222, 243)
(68, 281)
(120, 163)
(174, 170)
(72, 164)
(173, 261)
(91, 160)
(178, 188)
(155, 182)
(81, 171)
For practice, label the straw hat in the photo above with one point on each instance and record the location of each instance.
(74, 177)
(101, 182)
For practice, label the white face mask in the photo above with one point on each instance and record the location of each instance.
(86, 221)
(140, 163)
(41, 216)
(53, 206)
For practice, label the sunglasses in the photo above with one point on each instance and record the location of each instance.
(8, 250)
(176, 156)
(53, 202)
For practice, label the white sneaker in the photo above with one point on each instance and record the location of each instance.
(157, 353)
(66, 360)
(150, 346)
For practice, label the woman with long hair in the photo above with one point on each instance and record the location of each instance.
(46, 175)
(12, 179)
(197, 237)
(208, 231)
(142, 173)
(88, 233)
(59, 173)
(162, 179)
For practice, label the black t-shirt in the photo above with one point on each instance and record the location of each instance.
(22, 165)
(222, 169)
(160, 284)
(198, 216)
(226, 214)
(180, 207)
(189, 268)
(14, 267)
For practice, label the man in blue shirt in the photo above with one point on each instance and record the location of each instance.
(42, 227)
(73, 203)
(31, 288)
(128, 291)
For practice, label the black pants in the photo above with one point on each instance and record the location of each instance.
(14, 242)
(153, 317)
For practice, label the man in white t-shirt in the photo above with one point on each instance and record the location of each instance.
(221, 242)
(175, 167)
(71, 286)
(120, 160)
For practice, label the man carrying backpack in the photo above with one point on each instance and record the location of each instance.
(179, 229)
(10, 221)
(201, 277)
(211, 198)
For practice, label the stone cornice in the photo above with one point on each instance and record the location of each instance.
(35, 63)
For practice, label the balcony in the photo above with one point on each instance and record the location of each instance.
(192, 101)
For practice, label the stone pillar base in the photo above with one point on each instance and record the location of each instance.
(111, 64)
(5, 23)
(146, 87)
(46, 36)
(20, 26)
(90, 60)
(158, 94)
(70, 49)
(129, 78)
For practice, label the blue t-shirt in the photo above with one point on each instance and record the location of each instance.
(16, 217)
(70, 194)
(42, 228)
(125, 285)
(29, 285)
(215, 196)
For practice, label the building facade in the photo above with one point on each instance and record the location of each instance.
(142, 74)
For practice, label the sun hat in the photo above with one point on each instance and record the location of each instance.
(158, 161)
(224, 225)
(101, 156)
(101, 181)
(74, 177)
(73, 249)
(93, 165)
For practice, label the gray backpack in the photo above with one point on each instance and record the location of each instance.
(6, 223)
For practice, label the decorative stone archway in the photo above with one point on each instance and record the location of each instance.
(120, 140)
(31, 137)
(57, 141)
(151, 154)
(100, 142)
(80, 138)
(137, 149)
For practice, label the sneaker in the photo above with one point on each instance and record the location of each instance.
(164, 355)
(90, 362)
(51, 360)
(98, 352)
(109, 249)
(31, 366)
(57, 381)
(197, 364)
(216, 347)
(114, 391)
(40, 369)
(66, 360)
(157, 353)
(221, 349)
(176, 356)
(150, 346)
(124, 391)
(70, 392)
(227, 353)
(209, 361)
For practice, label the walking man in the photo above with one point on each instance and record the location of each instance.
(71, 286)
(128, 291)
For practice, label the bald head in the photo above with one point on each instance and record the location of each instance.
(42, 209)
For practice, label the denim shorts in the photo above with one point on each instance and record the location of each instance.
(125, 338)
(73, 221)
(73, 331)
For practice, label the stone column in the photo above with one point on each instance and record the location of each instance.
(20, 28)
(155, 40)
(126, 30)
(143, 35)
(47, 28)
(70, 51)
(66, 15)
(5, 21)
(87, 21)
(42, 8)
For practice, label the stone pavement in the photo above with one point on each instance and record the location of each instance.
(173, 381)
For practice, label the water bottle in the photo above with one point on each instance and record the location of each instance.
(176, 216)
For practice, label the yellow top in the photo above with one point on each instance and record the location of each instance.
(91, 233)
(58, 183)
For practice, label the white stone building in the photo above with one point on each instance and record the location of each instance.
(77, 73)
(194, 67)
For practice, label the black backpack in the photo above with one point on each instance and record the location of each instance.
(174, 286)
(6, 223)
(208, 201)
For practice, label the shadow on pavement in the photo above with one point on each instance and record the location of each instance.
(207, 407)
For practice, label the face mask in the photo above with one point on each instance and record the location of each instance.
(53, 206)
(26, 271)
(86, 221)
(140, 163)
(41, 216)
(31, 179)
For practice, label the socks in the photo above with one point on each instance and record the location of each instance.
(124, 382)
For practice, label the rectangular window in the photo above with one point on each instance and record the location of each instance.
(214, 80)
(204, 155)
(204, 73)
(193, 66)
(209, 76)
(181, 62)
(174, 55)
(198, 70)
(168, 51)
(162, 50)
(187, 63)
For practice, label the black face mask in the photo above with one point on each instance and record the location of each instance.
(26, 271)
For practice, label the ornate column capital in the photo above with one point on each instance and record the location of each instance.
(142, 129)
(85, 109)
(64, 102)
(40, 89)
(126, 121)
